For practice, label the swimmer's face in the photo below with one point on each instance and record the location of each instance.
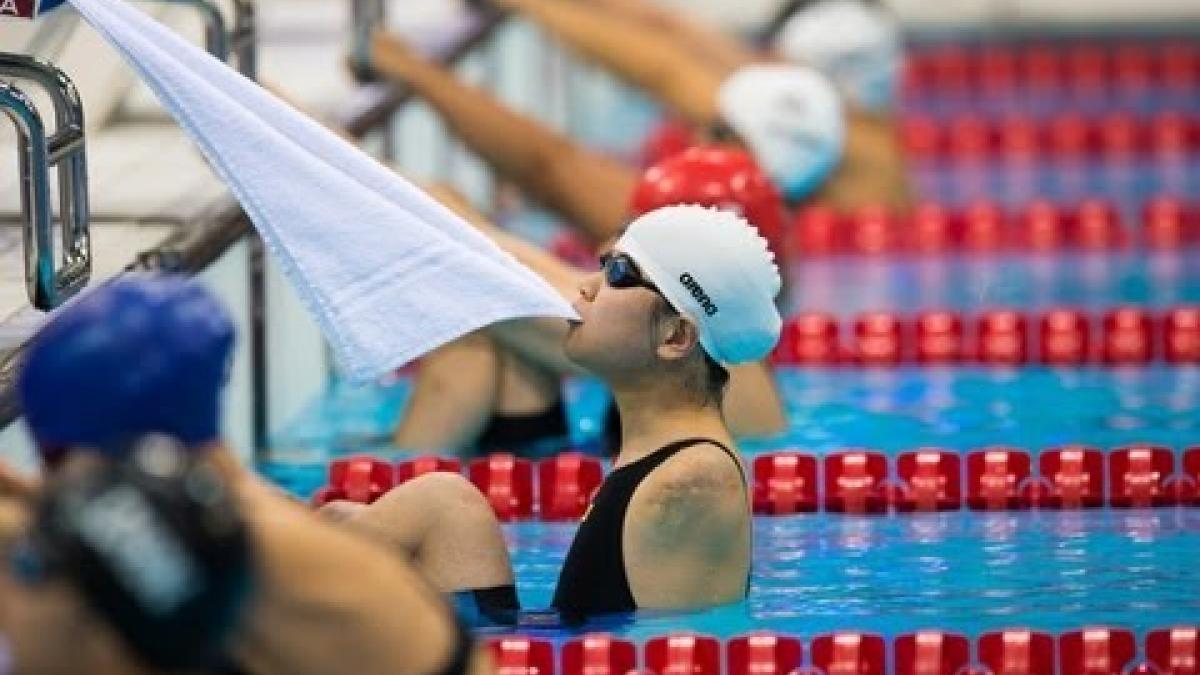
(616, 334)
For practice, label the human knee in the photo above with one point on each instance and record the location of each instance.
(450, 495)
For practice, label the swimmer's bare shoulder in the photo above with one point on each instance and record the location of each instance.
(687, 532)
(332, 603)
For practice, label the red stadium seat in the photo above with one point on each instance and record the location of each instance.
(1001, 338)
(984, 228)
(873, 231)
(566, 484)
(1042, 227)
(598, 654)
(931, 480)
(1064, 338)
(1174, 651)
(1071, 136)
(518, 655)
(994, 478)
(1095, 651)
(1127, 337)
(854, 482)
(1041, 67)
(409, 469)
(1133, 66)
(1179, 65)
(1167, 224)
(1088, 69)
(763, 653)
(1172, 136)
(939, 337)
(1022, 141)
(878, 339)
(931, 229)
(816, 230)
(361, 479)
(931, 653)
(1138, 475)
(810, 338)
(1098, 227)
(1075, 476)
(997, 70)
(785, 482)
(950, 68)
(683, 654)
(971, 139)
(507, 482)
(923, 138)
(1120, 136)
(847, 652)
(1181, 335)
(1017, 652)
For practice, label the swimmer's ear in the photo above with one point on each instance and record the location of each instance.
(678, 338)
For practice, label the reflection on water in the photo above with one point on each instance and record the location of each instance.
(968, 572)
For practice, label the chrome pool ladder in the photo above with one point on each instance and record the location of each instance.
(47, 284)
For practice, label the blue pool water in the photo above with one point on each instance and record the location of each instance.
(961, 571)
(966, 572)
(1097, 281)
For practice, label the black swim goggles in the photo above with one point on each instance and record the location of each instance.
(621, 272)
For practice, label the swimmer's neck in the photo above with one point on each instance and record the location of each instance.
(653, 419)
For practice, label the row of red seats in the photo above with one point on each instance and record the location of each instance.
(1085, 68)
(1124, 336)
(982, 227)
(1067, 135)
(997, 478)
(1089, 651)
(565, 483)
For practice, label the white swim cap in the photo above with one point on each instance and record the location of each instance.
(791, 118)
(857, 45)
(714, 268)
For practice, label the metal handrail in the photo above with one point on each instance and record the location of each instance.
(243, 38)
(375, 104)
(46, 286)
(365, 17)
(216, 37)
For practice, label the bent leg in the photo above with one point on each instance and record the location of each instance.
(454, 396)
(445, 526)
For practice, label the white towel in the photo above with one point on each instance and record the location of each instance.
(389, 273)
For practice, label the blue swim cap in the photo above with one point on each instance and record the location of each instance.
(142, 354)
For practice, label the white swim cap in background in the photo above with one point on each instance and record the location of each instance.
(714, 268)
(859, 46)
(791, 119)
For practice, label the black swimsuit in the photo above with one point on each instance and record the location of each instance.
(593, 579)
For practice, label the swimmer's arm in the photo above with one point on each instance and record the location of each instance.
(589, 190)
(872, 170)
(687, 525)
(633, 52)
(722, 51)
(563, 277)
(536, 340)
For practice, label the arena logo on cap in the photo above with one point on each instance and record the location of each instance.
(18, 9)
(697, 291)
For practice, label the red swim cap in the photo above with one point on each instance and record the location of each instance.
(721, 176)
